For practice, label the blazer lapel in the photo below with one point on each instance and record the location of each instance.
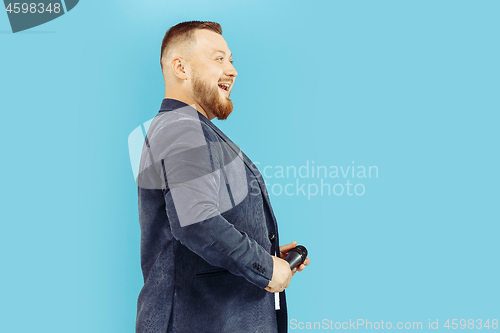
(247, 162)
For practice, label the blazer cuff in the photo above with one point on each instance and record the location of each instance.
(262, 269)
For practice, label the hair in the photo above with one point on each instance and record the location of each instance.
(184, 32)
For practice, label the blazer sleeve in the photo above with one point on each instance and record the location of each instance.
(195, 183)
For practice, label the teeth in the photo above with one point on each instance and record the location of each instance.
(224, 86)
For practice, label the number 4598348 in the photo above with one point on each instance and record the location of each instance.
(471, 324)
(33, 8)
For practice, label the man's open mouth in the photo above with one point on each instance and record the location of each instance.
(225, 86)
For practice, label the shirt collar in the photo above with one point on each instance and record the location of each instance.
(169, 104)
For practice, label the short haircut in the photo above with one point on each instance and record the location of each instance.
(183, 32)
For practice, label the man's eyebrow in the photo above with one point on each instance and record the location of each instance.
(220, 51)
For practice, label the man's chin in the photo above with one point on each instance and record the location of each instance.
(224, 114)
(224, 109)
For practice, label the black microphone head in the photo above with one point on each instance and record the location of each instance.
(296, 256)
(302, 251)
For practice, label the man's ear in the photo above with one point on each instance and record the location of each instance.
(179, 68)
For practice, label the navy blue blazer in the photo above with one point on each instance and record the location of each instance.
(207, 231)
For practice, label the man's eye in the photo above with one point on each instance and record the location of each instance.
(219, 59)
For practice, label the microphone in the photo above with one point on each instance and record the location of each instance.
(296, 256)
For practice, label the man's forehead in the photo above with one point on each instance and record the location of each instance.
(211, 42)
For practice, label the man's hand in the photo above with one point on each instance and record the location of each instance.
(281, 276)
(284, 249)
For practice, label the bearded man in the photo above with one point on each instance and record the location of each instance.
(210, 251)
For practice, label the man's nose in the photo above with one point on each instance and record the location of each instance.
(231, 71)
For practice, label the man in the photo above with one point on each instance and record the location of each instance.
(209, 243)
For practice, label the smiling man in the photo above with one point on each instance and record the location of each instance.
(209, 243)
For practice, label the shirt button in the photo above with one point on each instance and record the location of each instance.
(272, 236)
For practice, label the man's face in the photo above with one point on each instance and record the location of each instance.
(212, 74)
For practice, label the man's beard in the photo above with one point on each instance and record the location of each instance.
(210, 99)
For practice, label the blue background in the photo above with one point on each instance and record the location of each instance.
(409, 87)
